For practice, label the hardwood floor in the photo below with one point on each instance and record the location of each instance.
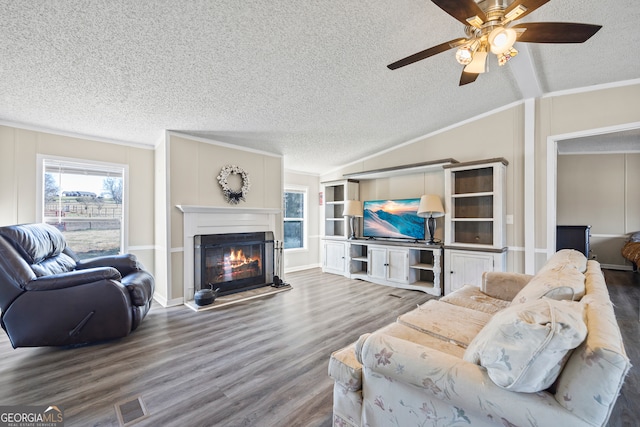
(624, 290)
(259, 363)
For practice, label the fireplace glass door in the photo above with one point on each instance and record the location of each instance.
(234, 262)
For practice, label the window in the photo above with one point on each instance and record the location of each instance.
(295, 203)
(86, 202)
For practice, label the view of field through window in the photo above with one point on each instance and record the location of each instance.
(85, 203)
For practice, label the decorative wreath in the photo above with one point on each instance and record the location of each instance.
(234, 196)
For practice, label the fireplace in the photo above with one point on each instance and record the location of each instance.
(233, 262)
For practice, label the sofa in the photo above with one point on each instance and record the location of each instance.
(50, 297)
(519, 350)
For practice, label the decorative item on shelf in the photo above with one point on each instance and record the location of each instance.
(234, 196)
(352, 209)
(430, 208)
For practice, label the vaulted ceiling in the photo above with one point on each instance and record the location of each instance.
(304, 79)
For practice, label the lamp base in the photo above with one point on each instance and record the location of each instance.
(352, 224)
(431, 226)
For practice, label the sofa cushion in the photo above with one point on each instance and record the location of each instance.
(524, 347)
(560, 283)
(472, 297)
(446, 321)
(55, 265)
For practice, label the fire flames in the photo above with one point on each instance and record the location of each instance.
(237, 257)
(236, 263)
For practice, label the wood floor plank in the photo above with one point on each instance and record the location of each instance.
(260, 363)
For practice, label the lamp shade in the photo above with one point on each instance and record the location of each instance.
(352, 208)
(430, 205)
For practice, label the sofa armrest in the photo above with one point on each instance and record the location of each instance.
(449, 380)
(72, 278)
(125, 263)
(504, 286)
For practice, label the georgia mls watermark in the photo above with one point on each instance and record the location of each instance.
(31, 416)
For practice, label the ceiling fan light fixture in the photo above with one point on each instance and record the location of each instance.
(503, 58)
(501, 39)
(464, 56)
(479, 63)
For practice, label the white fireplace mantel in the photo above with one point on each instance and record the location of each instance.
(203, 220)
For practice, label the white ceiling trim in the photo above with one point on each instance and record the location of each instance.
(35, 128)
(593, 88)
(595, 131)
(222, 144)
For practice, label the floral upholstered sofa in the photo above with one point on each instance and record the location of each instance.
(521, 350)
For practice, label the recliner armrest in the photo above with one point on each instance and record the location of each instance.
(140, 286)
(73, 278)
(125, 264)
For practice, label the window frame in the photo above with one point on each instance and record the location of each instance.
(40, 176)
(304, 190)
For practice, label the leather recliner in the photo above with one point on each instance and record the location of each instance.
(49, 297)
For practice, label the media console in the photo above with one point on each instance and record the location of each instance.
(398, 264)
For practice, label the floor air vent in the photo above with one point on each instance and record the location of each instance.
(131, 411)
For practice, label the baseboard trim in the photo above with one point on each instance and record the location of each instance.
(301, 268)
(168, 303)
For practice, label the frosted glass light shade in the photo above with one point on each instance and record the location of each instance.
(478, 64)
(501, 39)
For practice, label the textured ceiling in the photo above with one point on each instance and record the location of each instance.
(304, 79)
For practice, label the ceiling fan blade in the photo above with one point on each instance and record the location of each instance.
(530, 6)
(556, 32)
(467, 78)
(426, 53)
(461, 9)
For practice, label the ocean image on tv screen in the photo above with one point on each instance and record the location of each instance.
(393, 219)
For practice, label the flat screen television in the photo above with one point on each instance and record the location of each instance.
(393, 219)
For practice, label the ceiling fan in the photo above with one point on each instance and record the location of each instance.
(489, 28)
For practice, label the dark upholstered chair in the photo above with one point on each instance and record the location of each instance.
(49, 297)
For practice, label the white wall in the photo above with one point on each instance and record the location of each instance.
(19, 149)
(600, 190)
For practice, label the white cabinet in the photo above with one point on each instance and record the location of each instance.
(377, 263)
(388, 264)
(334, 257)
(475, 219)
(466, 267)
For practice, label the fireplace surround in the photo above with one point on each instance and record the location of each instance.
(203, 220)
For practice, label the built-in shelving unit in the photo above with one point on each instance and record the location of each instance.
(475, 236)
(335, 194)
